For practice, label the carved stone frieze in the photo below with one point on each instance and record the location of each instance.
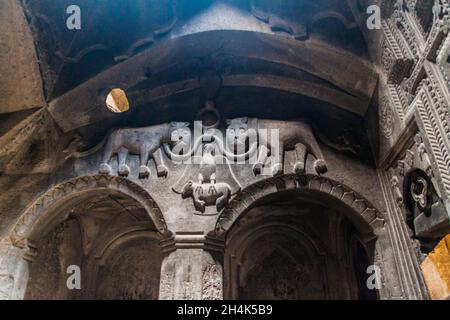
(441, 12)
(266, 142)
(443, 60)
(386, 114)
(409, 43)
(210, 158)
(417, 193)
(433, 114)
(143, 142)
(272, 188)
(212, 282)
(397, 60)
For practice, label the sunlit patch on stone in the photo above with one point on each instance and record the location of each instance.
(117, 101)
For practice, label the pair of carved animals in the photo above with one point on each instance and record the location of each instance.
(146, 142)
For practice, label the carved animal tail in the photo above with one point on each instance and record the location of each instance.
(322, 137)
(78, 155)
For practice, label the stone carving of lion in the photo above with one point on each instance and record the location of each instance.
(293, 135)
(143, 142)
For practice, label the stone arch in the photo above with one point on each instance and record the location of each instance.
(289, 240)
(362, 213)
(32, 222)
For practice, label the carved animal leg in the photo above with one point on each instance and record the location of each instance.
(263, 153)
(320, 164)
(277, 166)
(300, 158)
(161, 169)
(105, 168)
(124, 170)
(277, 169)
(144, 170)
(222, 201)
(199, 205)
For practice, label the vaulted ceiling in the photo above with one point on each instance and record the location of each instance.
(262, 58)
(114, 31)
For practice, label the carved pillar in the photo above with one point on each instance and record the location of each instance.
(13, 272)
(192, 268)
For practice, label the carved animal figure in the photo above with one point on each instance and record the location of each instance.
(208, 165)
(296, 135)
(207, 194)
(144, 142)
(344, 142)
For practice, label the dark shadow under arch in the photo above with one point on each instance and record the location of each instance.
(276, 247)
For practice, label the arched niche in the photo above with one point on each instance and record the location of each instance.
(102, 225)
(127, 267)
(288, 239)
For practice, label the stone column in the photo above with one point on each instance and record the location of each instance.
(192, 268)
(13, 271)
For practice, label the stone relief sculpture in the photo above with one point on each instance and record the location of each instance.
(425, 211)
(396, 189)
(212, 182)
(207, 194)
(417, 192)
(386, 114)
(207, 191)
(259, 143)
(410, 60)
(212, 282)
(297, 135)
(143, 142)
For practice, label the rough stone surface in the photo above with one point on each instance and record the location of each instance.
(21, 86)
(184, 195)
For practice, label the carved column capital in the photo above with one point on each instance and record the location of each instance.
(192, 240)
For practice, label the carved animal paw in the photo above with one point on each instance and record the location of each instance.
(105, 169)
(320, 166)
(257, 168)
(299, 168)
(124, 170)
(144, 172)
(200, 205)
(277, 169)
(220, 204)
(162, 171)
